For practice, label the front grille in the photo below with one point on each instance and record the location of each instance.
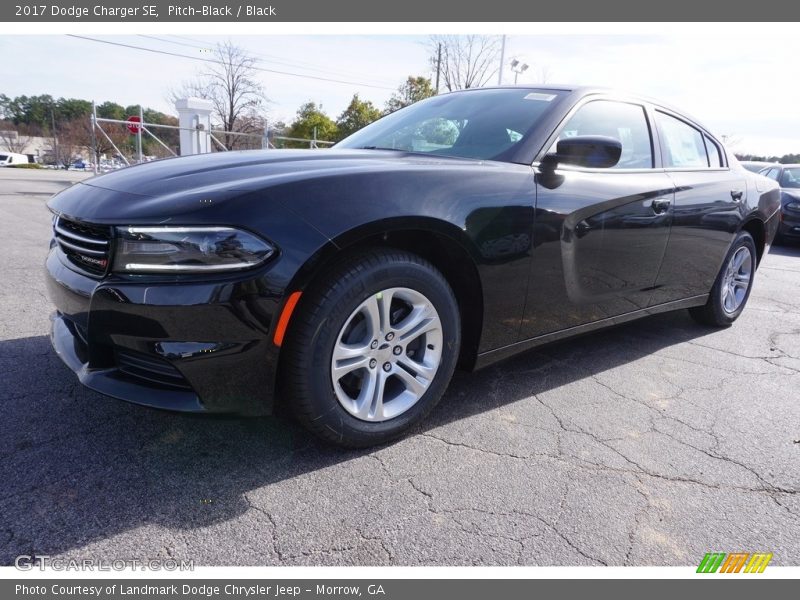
(149, 368)
(86, 246)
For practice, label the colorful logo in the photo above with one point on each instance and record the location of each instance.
(736, 562)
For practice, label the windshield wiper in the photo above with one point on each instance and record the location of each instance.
(380, 148)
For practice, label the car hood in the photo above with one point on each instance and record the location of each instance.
(249, 170)
(189, 185)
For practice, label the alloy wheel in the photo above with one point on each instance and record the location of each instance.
(386, 354)
(738, 276)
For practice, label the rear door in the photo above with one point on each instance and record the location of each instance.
(708, 208)
(599, 234)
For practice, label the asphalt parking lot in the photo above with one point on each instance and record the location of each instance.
(649, 444)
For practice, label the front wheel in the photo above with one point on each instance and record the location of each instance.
(371, 348)
(732, 287)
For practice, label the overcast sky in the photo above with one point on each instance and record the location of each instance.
(738, 86)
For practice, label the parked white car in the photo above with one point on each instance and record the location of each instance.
(12, 158)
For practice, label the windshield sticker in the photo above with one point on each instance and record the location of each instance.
(540, 96)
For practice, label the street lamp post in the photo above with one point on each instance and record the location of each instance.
(502, 62)
(518, 67)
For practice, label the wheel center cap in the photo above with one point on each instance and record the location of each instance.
(384, 353)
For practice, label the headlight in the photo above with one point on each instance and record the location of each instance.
(793, 206)
(164, 249)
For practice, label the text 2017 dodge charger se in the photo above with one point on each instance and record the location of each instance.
(351, 282)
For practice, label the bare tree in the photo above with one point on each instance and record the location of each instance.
(13, 141)
(230, 84)
(60, 151)
(467, 61)
(75, 136)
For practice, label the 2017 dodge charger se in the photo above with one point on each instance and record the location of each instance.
(351, 282)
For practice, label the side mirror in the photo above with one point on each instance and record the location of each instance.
(592, 151)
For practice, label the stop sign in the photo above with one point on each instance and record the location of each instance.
(133, 124)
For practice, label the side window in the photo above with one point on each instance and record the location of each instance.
(790, 178)
(774, 174)
(619, 120)
(683, 144)
(714, 156)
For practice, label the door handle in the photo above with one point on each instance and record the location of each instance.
(737, 194)
(660, 205)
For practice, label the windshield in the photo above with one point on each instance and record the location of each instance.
(791, 178)
(485, 124)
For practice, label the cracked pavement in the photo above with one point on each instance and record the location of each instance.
(648, 444)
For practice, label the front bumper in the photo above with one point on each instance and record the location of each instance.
(790, 224)
(198, 346)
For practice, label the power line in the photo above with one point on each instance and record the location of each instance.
(217, 62)
(280, 60)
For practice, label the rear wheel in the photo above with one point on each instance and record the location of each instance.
(372, 348)
(732, 287)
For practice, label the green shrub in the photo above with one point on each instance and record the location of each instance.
(26, 166)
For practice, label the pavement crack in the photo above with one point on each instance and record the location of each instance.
(637, 520)
(768, 485)
(478, 449)
(274, 525)
(551, 526)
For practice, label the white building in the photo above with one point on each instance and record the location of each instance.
(36, 147)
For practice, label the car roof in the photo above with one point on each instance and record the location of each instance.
(577, 90)
(581, 91)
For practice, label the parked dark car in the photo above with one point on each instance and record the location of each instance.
(788, 178)
(349, 283)
(755, 166)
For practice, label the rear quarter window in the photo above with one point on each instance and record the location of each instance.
(683, 145)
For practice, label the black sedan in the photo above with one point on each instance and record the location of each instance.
(350, 283)
(788, 178)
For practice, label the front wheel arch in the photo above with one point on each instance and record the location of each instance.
(440, 243)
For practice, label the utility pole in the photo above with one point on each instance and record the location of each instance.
(95, 153)
(55, 137)
(438, 66)
(502, 61)
(139, 134)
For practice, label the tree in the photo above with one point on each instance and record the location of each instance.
(170, 137)
(786, 159)
(230, 84)
(413, 90)
(30, 110)
(310, 118)
(75, 137)
(467, 61)
(72, 108)
(359, 113)
(111, 110)
(11, 140)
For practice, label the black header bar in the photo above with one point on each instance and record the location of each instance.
(492, 11)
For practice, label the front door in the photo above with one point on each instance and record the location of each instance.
(599, 234)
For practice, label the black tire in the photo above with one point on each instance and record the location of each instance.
(323, 312)
(713, 313)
